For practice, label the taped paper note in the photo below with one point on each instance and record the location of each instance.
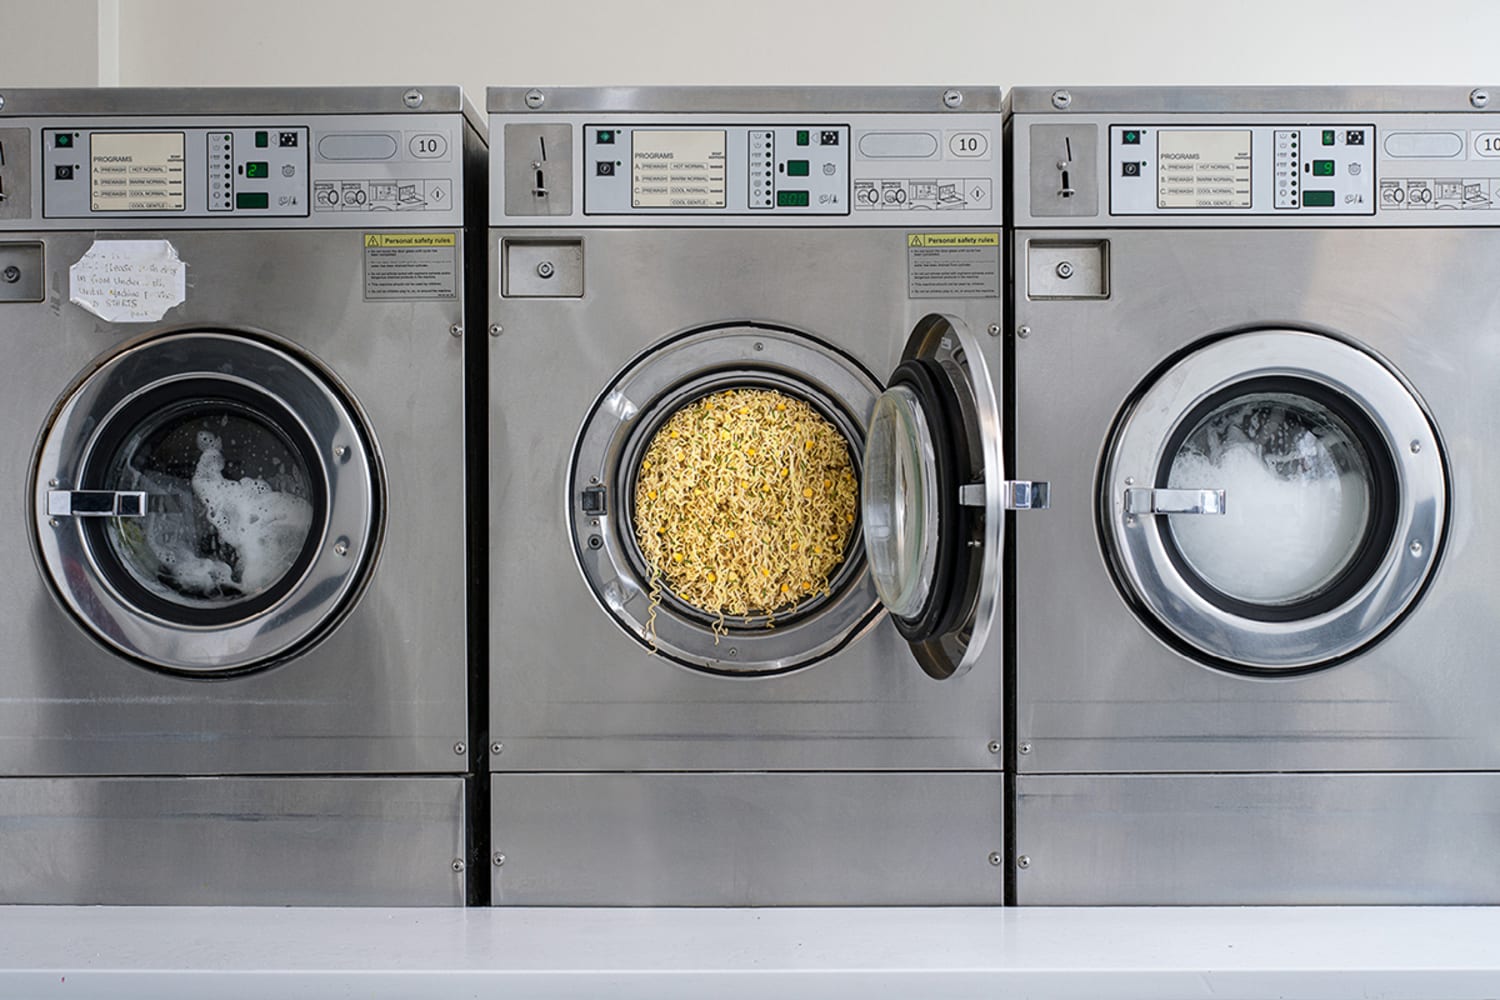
(128, 281)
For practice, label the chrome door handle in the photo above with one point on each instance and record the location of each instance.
(96, 503)
(1140, 500)
(1016, 494)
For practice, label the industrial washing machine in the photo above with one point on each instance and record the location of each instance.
(1255, 352)
(233, 567)
(652, 247)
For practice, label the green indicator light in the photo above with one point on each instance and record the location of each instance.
(606, 136)
(63, 140)
(804, 137)
(1328, 137)
(262, 140)
(257, 170)
(1317, 199)
(791, 199)
(252, 199)
(1131, 137)
(1322, 168)
(796, 168)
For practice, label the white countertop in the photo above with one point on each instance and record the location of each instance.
(913, 954)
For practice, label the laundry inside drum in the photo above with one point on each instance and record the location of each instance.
(744, 505)
(229, 508)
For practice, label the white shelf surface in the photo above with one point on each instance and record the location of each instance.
(1392, 953)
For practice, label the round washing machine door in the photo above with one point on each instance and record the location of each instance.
(207, 502)
(1274, 500)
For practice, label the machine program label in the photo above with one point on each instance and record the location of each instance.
(1203, 169)
(953, 265)
(137, 172)
(411, 266)
(674, 168)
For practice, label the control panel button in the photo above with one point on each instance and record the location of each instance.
(605, 168)
(64, 172)
(828, 137)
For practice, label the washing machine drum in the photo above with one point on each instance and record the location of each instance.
(207, 502)
(1274, 500)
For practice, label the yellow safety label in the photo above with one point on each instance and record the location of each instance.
(952, 239)
(411, 239)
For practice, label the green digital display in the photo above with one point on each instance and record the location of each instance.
(1322, 168)
(262, 140)
(257, 170)
(796, 168)
(804, 137)
(252, 199)
(1328, 137)
(791, 199)
(1317, 199)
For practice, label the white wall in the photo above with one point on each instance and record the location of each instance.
(480, 42)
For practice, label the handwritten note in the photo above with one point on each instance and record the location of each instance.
(128, 281)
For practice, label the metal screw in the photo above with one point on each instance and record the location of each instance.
(733, 651)
(1061, 99)
(1023, 862)
(497, 747)
(995, 858)
(458, 864)
(593, 479)
(994, 329)
(456, 330)
(1064, 269)
(496, 329)
(412, 98)
(994, 746)
(545, 269)
(341, 452)
(2, 102)
(1024, 748)
(1415, 547)
(1129, 480)
(1479, 98)
(595, 542)
(460, 748)
(759, 346)
(52, 521)
(13, 274)
(53, 483)
(1416, 446)
(952, 98)
(499, 860)
(535, 99)
(341, 546)
(1023, 331)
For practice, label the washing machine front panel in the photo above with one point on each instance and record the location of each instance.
(385, 690)
(1101, 686)
(571, 689)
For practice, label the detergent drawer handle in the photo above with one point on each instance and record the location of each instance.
(96, 503)
(1140, 500)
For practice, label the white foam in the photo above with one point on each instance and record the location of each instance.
(266, 528)
(1292, 517)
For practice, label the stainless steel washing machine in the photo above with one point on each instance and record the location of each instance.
(1255, 353)
(651, 247)
(235, 666)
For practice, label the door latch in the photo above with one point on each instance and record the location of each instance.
(96, 503)
(1140, 500)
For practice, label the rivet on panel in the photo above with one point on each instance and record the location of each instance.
(1023, 861)
(996, 858)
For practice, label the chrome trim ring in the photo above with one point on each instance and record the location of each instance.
(344, 554)
(1138, 552)
(617, 430)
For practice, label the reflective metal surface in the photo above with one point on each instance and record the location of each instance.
(385, 691)
(1225, 100)
(1264, 839)
(786, 839)
(232, 841)
(571, 690)
(350, 485)
(776, 100)
(1140, 500)
(1096, 689)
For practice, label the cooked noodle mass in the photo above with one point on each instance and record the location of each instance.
(744, 504)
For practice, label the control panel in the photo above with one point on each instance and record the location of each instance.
(234, 171)
(730, 169)
(98, 172)
(1251, 170)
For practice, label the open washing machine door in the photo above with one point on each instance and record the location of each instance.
(934, 498)
(1274, 501)
(207, 503)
